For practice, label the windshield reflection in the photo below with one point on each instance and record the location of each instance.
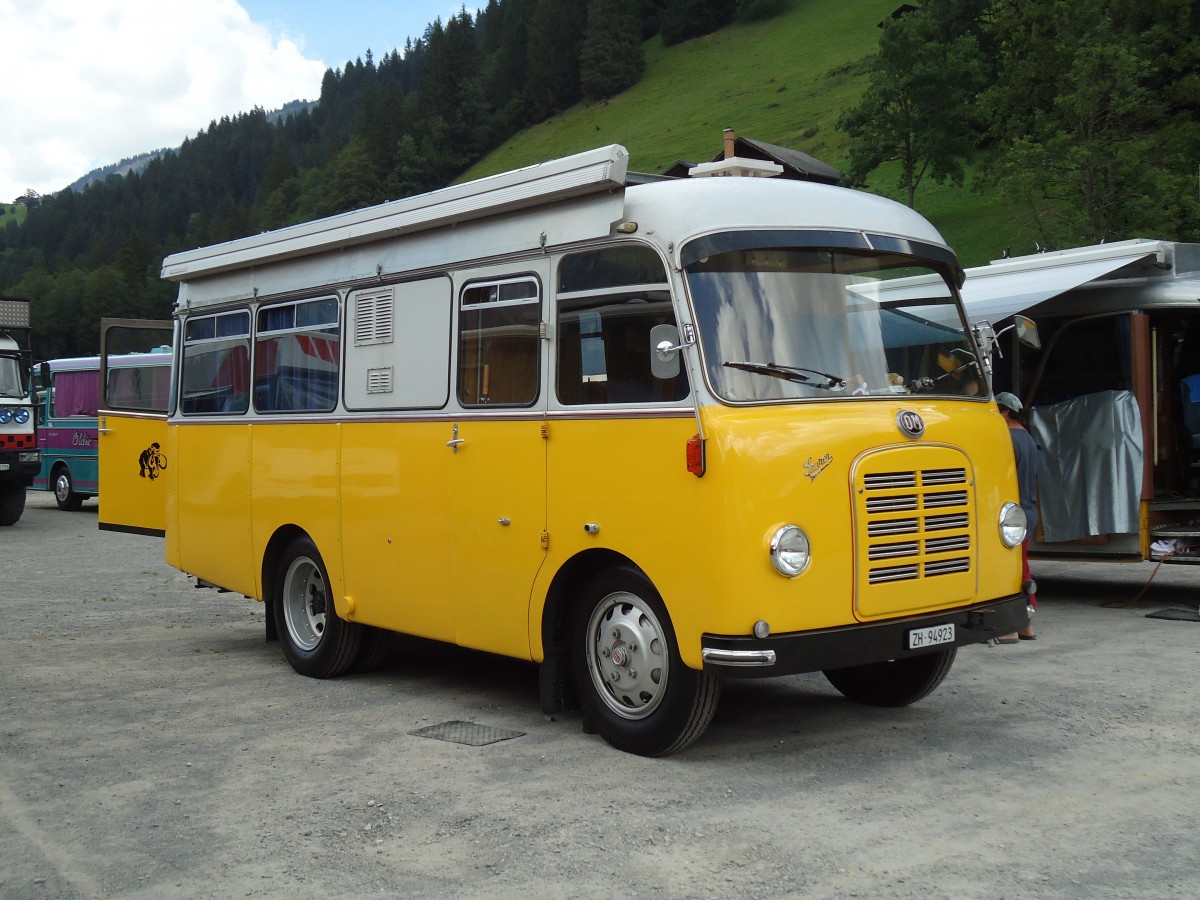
(790, 324)
(12, 382)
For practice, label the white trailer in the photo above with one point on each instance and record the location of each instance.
(1112, 394)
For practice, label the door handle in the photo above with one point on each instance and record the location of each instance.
(455, 440)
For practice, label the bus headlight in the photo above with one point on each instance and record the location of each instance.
(5, 416)
(790, 551)
(1012, 525)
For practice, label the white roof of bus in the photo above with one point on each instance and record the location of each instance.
(503, 214)
(591, 172)
(689, 207)
(161, 357)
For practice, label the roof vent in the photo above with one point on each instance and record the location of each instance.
(736, 166)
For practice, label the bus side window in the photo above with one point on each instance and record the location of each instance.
(296, 355)
(139, 387)
(498, 342)
(216, 364)
(608, 302)
(75, 393)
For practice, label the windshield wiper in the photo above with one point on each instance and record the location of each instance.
(925, 383)
(798, 374)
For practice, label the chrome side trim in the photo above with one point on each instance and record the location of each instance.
(737, 657)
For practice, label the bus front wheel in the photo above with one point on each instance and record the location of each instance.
(315, 641)
(64, 491)
(12, 502)
(631, 681)
(897, 682)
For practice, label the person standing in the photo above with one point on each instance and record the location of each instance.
(1026, 451)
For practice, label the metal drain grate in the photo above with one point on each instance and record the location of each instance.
(469, 733)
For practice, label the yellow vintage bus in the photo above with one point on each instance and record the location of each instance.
(650, 434)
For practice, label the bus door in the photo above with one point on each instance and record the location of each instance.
(132, 428)
(497, 452)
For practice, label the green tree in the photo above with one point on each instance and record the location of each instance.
(683, 20)
(611, 57)
(552, 73)
(1093, 134)
(916, 107)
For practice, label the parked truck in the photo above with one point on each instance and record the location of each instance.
(19, 456)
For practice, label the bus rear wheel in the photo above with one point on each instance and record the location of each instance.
(315, 641)
(64, 491)
(897, 682)
(631, 681)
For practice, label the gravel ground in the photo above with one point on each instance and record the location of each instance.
(152, 744)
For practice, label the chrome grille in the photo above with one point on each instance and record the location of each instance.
(948, 544)
(947, 566)
(945, 498)
(903, 503)
(881, 574)
(882, 481)
(941, 523)
(891, 551)
(931, 477)
(909, 547)
(892, 526)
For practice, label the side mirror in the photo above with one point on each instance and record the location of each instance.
(988, 339)
(1027, 332)
(664, 351)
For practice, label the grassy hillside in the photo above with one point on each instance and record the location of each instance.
(12, 212)
(785, 81)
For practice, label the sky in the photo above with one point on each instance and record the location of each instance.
(87, 83)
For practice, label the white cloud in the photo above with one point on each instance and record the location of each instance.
(90, 82)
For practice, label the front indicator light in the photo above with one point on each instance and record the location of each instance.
(790, 551)
(1012, 525)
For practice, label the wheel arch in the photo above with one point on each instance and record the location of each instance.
(564, 589)
(555, 684)
(272, 554)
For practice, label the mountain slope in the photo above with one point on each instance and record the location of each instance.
(785, 81)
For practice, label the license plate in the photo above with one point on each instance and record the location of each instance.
(920, 638)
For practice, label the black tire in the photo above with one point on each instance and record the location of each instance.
(315, 641)
(12, 502)
(656, 705)
(374, 650)
(897, 682)
(64, 490)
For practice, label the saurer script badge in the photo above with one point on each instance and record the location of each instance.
(814, 467)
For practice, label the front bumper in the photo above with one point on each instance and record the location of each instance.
(23, 465)
(854, 645)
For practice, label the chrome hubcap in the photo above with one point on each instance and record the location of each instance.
(304, 603)
(627, 655)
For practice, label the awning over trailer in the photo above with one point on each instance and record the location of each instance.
(1008, 286)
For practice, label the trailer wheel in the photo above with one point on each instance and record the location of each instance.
(64, 490)
(631, 681)
(315, 641)
(12, 502)
(897, 682)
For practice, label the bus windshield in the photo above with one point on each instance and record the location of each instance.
(12, 382)
(790, 324)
